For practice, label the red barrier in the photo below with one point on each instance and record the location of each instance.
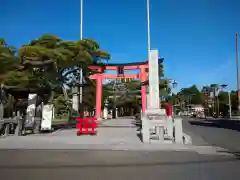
(169, 110)
(87, 125)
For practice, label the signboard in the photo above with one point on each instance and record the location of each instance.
(211, 94)
(47, 117)
(30, 114)
(217, 92)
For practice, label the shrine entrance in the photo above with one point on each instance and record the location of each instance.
(120, 69)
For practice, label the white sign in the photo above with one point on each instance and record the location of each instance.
(211, 94)
(32, 98)
(47, 117)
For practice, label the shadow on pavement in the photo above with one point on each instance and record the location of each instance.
(225, 124)
(143, 164)
(70, 125)
(235, 153)
(139, 135)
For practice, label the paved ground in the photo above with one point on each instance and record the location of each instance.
(214, 132)
(115, 131)
(117, 165)
(142, 162)
(116, 134)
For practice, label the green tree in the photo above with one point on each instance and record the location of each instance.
(8, 60)
(223, 102)
(50, 63)
(192, 94)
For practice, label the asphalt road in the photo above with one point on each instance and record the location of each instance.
(115, 165)
(129, 165)
(223, 133)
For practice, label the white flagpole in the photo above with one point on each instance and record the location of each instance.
(148, 28)
(81, 19)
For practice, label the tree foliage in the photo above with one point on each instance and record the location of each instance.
(50, 63)
(192, 95)
(212, 102)
(53, 64)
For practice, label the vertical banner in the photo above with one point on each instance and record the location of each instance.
(47, 117)
(30, 114)
(212, 94)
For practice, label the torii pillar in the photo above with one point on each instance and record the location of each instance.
(98, 96)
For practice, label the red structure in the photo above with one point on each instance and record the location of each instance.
(86, 126)
(169, 110)
(120, 68)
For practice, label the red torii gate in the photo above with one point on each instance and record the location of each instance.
(100, 76)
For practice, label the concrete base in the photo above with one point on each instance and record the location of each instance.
(153, 123)
(178, 130)
(235, 117)
(164, 129)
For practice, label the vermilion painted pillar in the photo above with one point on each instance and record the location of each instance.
(143, 77)
(98, 95)
(169, 111)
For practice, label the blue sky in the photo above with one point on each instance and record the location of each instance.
(196, 38)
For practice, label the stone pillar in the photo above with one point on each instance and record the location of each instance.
(1, 113)
(75, 98)
(178, 131)
(154, 118)
(116, 112)
(1, 110)
(111, 114)
(105, 113)
(169, 127)
(145, 129)
(153, 77)
(159, 132)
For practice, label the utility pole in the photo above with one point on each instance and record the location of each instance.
(174, 84)
(215, 91)
(190, 101)
(218, 113)
(230, 104)
(237, 67)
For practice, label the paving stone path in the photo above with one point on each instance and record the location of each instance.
(115, 134)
